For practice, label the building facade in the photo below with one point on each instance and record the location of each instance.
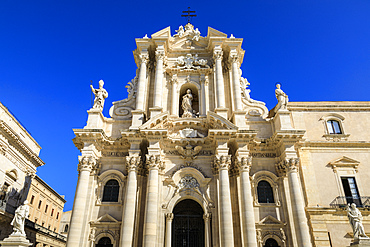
(190, 159)
(19, 160)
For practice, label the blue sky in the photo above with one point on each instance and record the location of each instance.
(50, 50)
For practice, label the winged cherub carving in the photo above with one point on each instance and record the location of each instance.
(187, 152)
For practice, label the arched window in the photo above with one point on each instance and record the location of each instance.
(264, 192)
(66, 228)
(271, 243)
(333, 127)
(104, 242)
(111, 191)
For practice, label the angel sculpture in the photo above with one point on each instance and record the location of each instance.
(188, 153)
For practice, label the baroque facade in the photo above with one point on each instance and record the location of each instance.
(190, 159)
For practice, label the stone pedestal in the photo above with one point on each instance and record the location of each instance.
(155, 111)
(362, 242)
(15, 241)
(137, 119)
(222, 112)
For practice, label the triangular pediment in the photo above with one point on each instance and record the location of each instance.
(344, 161)
(106, 219)
(270, 220)
(213, 33)
(181, 44)
(164, 33)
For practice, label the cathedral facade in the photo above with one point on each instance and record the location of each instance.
(190, 159)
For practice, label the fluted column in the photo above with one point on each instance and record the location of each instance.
(220, 88)
(128, 217)
(85, 166)
(207, 229)
(169, 218)
(222, 164)
(140, 93)
(234, 59)
(202, 105)
(158, 88)
(290, 168)
(151, 208)
(175, 100)
(249, 229)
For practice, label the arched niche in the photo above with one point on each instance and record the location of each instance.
(194, 91)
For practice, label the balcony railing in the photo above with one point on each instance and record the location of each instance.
(343, 201)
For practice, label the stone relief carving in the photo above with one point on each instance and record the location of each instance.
(100, 95)
(190, 133)
(122, 109)
(188, 182)
(188, 153)
(191, 62)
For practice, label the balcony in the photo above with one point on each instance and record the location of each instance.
(343, 201)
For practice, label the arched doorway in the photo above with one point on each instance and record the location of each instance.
(271, 243)
(188, 225)
(104, 242)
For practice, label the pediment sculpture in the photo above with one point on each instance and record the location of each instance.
(191, 62)
(188, 31)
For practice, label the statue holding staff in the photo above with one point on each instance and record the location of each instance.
(100, 95)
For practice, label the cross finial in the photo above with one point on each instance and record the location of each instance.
(188, 14)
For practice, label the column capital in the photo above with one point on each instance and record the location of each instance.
(174, 79)
(207, 216)
(154, 161)
(144, 58)
(133, 162)
(203, 78)
(169, 216)
(234, 57)
(87, 163)
(217, 54)
(244, 163)
(221, 162)
(287, 165)
(159, 54)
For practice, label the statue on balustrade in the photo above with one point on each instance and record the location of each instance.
(100, 95)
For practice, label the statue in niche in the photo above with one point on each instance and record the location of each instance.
(281, 97)
(100, 95)
(355, 219)
(186, 104)
(21, 213)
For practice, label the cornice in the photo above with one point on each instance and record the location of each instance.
(330, 106)
(332, 144)
(19, 144)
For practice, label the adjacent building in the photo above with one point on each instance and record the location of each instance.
(190, 159)
(19, 160)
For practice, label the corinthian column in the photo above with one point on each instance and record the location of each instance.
(140, 93)
(85, 166)
(128, 217)
(222, 164)
(202, 105)
(175, 103)
(151, 208)
(234, 59)
(158, 88)
(249, 229)
(290, 167)
(220, 88)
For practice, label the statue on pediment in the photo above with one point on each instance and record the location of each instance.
(100, 95)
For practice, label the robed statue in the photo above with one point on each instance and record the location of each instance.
(281, 97)
(21, 213)
(355, 219)
(100, 95)
(186, 104)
